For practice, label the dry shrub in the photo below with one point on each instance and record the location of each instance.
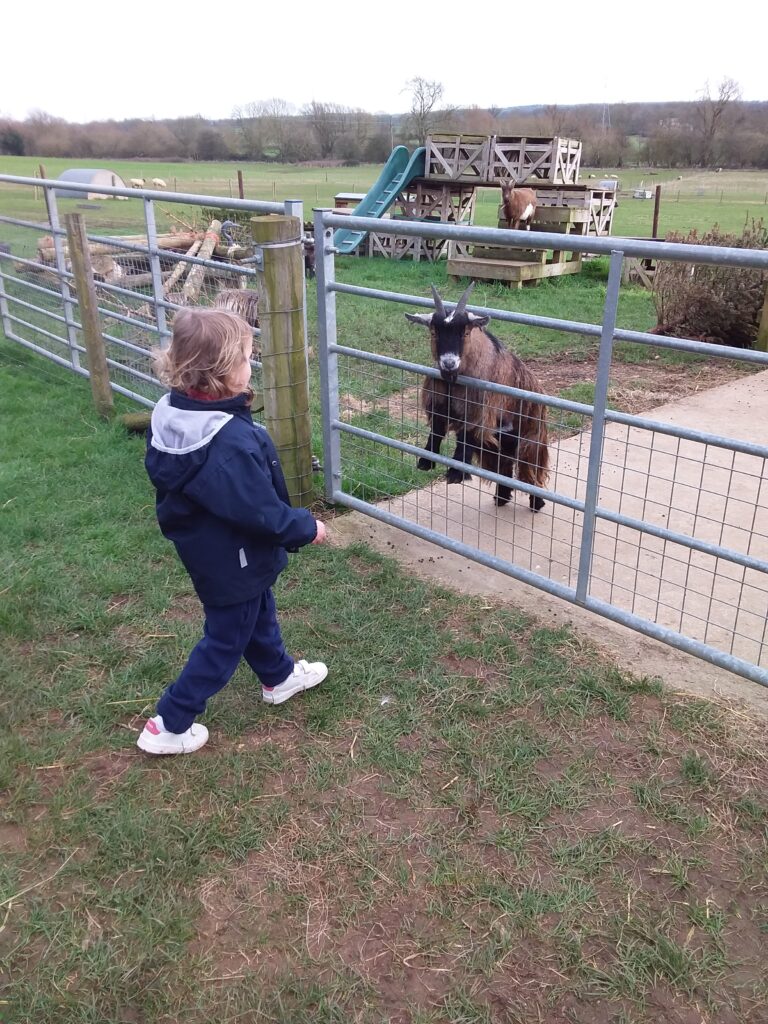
(712, 303)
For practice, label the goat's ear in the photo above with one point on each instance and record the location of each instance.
(425, 319)
(477, 320)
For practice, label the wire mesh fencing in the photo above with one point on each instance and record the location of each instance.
(657, 525)
(166, 252)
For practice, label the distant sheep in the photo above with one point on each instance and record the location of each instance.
(136, 182)
(159, 183)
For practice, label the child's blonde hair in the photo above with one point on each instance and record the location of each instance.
(206, 347)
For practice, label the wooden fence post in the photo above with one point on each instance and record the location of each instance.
(41, 191)
(280, 280)
(87, 304)
(761, 342)
(656, 209)
(240, 185)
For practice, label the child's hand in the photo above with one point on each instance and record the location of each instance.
(322, 533)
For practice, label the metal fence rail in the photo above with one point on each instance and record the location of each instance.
(38, 301)
(660, 527)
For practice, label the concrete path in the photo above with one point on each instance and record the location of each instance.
(702, 491)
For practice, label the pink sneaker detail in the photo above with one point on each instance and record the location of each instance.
(152, 727)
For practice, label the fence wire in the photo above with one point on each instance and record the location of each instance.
(699, 491)
(657, 526)
(144, 273)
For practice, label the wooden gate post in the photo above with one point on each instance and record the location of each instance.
(87, 304)
(280, 280)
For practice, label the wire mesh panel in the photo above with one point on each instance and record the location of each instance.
(35, 298)
(387, 401)
(659, 495)
(707, 584)
(150, 256)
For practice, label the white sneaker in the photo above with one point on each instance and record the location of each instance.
(305, 675)
(155, 739)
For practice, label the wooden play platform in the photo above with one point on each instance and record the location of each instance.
(493, 159)
(431, 202)
(456, 165)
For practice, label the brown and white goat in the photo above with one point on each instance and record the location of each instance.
(502, 433)
(519, 205)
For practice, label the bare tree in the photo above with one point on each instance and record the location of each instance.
(276, 114)
(425, 95)
(187, 130)
(250, 127)
(328, 121)
(553, 119)
(711, 114)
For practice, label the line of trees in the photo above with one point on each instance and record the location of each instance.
(718, 129)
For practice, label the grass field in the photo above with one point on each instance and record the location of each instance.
(704, 197)
(475, 821)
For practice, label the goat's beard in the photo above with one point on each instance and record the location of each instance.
(449, 376)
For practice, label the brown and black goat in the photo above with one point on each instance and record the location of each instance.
(309, 249)
(502, 433)
(519, 205)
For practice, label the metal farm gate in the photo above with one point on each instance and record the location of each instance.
(138, 276)
(657, 526)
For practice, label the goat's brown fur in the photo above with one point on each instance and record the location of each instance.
(243, 301)
(515, 201)
(506, 435)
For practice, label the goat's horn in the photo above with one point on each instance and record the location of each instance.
(439, 307)
(461, 305)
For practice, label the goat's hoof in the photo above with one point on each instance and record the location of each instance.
(502, 496)
(456, 476)
(536, 503)
(425, 464)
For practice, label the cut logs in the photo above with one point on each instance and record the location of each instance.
(175, 240)
(196, 276)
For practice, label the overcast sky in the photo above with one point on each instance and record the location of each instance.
(95, 60)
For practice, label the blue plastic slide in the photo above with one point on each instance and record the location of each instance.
(399, 171)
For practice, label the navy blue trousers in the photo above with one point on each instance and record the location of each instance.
(249, 630)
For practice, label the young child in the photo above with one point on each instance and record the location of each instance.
(222, 500)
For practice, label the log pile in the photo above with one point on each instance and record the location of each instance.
(130, 268)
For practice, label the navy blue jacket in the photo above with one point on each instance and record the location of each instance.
(221, 496)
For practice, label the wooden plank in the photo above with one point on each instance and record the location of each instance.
(494, 252)
(565, 215)
(509, 270)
